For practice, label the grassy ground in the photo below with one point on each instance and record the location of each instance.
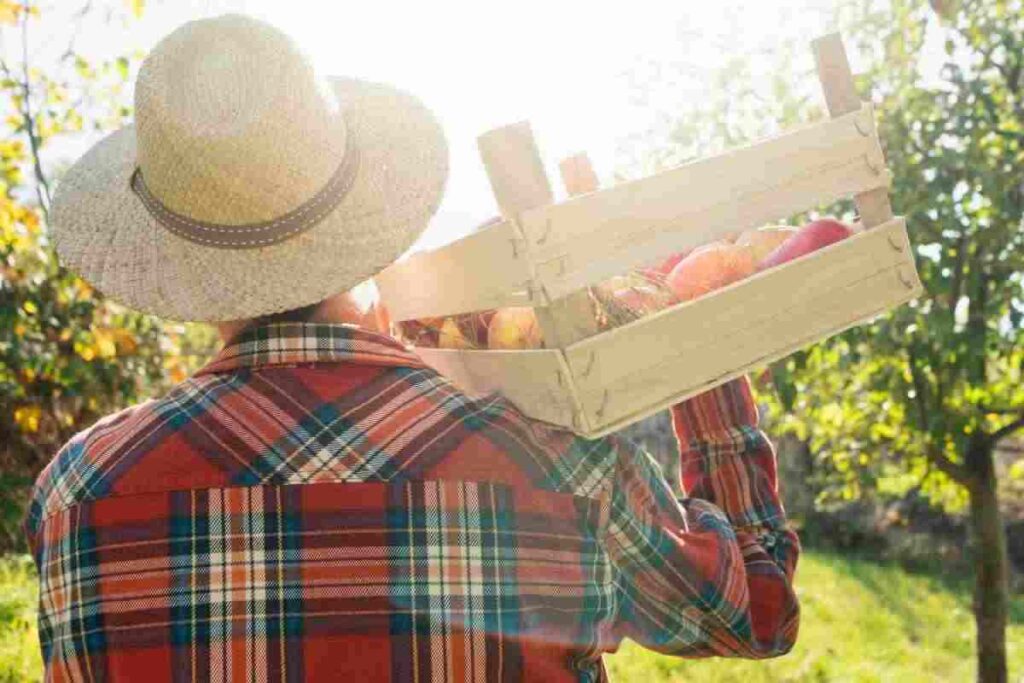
(861, 622)
(19, 649)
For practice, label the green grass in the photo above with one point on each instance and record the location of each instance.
(19, 649)
(861, 622)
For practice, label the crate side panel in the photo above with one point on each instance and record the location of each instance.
(481, 271)
(693, 326)
(791, 326)
(532, 380)
(590, 262)
(644, 219)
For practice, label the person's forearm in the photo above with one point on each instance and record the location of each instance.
(725, 459)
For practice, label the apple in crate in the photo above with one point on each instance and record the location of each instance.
(450, 336)
(763, 241)
(658, 273)
(811, 237)
(710, 267)
(514, 328)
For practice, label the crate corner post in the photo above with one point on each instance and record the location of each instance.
(841, 98)
(519, 181)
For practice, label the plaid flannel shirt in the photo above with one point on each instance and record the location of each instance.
(316, 504)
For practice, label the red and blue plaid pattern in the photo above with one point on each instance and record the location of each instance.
(316, 504)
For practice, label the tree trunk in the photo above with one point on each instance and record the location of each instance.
(990, 568)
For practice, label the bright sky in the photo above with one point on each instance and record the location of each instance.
(562, 64)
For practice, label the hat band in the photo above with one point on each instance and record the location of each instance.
(253, 235)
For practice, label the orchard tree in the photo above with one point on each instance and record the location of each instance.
(920, 397)
(934, 387)
(67, 355)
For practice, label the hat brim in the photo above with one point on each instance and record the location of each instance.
(102, 230)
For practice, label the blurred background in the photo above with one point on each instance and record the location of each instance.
(900, 442)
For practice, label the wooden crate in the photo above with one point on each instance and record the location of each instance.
(545, 255)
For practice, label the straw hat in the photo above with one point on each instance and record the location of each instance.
(247, 185)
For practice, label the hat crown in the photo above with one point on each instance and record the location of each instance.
(233, 126)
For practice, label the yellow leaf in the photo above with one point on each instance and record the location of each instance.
(9, 12)
(103, 341)
(178, 374)
(27, 418)
(125, 340)
(30, 307)
(137, 7)
(86, 351)
(1017, 470)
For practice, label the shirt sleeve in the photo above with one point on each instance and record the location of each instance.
(708, 574)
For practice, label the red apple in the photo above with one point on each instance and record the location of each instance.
(416, 333)
(658, 273)
(763, 241)
(811, 237)
(708, 268)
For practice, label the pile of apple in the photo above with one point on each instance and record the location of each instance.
(695, 272)
(504, 328)
(683, 276)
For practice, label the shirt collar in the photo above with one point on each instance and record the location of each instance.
(291, 343)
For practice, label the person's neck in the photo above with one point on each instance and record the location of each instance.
(339, 309)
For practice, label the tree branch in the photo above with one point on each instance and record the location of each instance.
(954, 471)
(1006, 430)
(1002, 410)
(919, 398)
(42, 185)
(958, 274)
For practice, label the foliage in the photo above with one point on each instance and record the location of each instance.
(19, 647)
(67, 355)
(916, 386)
(891, 406)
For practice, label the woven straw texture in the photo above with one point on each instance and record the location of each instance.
(234, 127)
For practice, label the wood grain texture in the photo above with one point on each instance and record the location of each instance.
(841, 98)
(517, 176)
(604, 383)
(590, 238)
(478, 272)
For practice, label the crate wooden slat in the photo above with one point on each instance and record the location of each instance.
(445, 281)
(841, 98)
(544, 255)
(588, 239)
